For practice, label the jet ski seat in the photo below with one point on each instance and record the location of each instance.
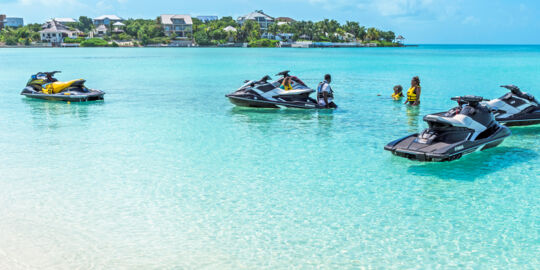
(57, 87)
(458, 120)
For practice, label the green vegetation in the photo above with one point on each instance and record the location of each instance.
(144, 32)
(74, 40)
(95, 42)
(264, 42)
(212, 33)
(20, 36)
(84, 24)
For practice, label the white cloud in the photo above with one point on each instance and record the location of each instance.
(429, 9)
(50, 3)
(422, 9)
(103, 5)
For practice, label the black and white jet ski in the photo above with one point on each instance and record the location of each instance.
(515, 108)
(43, 85)
(264, 94)
(462, 130)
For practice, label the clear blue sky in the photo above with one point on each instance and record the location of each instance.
(420, 21)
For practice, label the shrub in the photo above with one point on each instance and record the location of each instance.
(11, 41)
(73, 40)
(158, 40)
(94, 42)
(263, 43)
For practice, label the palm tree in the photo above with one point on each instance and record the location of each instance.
(372, 34)
(273, 29)
(361, 34)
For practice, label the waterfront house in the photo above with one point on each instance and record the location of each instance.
(206, 19)
(284, 37)
(64, 21)
(106, 20)
(260, 17)
(284, 20)
(54, 32)
(231, 33)
(229, 29)
(100, 31)
(180, 25)
(118, 27)
(400, 39)
(13, 22)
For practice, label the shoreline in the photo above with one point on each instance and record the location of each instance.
(219, 47)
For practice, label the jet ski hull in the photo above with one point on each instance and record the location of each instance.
(72, 95)
(249, 102)
(408, 147)
(245, 102)
(522, 119)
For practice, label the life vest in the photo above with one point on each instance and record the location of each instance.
(411, 95)
(286, 87)
(320, 91)
(397, 96)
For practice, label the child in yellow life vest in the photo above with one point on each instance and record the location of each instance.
(413, 94)
(286, 84)
(398, 92)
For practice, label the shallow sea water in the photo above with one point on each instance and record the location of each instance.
(167, 174)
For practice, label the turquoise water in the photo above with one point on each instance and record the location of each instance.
(167, 174)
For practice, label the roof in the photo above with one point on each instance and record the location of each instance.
(229, 29)
(110, 17)
(285, 19)
(54, 27)
(65, 20)
(255, 14)
(167, 18)
(400, 37)
(118, 24)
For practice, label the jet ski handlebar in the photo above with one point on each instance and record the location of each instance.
(51, 74)
(265, 79)
(471, 100)
(284, 73)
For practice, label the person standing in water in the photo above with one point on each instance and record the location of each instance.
(398, 92)
(325, 94)
(413, 95)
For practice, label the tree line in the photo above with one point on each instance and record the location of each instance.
(144, 32)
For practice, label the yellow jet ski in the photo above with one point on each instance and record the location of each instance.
(43, 85)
